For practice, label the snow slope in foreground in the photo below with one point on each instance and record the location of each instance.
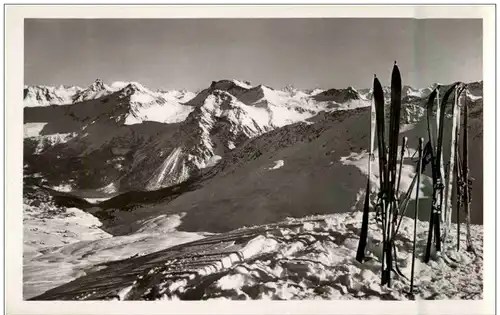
(61, 245)
(309, 258)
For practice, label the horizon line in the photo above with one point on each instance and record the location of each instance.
(261, 84)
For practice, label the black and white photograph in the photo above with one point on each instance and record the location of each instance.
(194, 159)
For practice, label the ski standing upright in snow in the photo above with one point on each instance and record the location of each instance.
(448, 206)
(431, 129)
(437, 176)
(378, 96)
(366, 207)
(468, 183)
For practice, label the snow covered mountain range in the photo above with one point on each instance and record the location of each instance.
(123, 136)
(136, 138)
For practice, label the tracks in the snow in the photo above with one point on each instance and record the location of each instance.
(183, 270)
(289, 260)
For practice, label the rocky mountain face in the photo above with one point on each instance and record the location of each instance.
(127, 137)
(107, 139)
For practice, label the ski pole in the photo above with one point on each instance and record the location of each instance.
(459, 194)
(405, 141)
(419, 171)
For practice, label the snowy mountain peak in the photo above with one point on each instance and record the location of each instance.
(289, 89)
(475, 89)
(245, 84)
(68, 87)
(134, 87)
(435, 85)
(118, 85)
(265, 87)
(338, 95)
(96, 90)
(227, 85)
(315, 91)
(98, 85)
(351, 89)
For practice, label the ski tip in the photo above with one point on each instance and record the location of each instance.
(374, 75)
(395, 63)
(395, 72)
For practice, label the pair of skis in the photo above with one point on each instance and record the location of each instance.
(441, 196)
(390, 212)
(435, 158)
(388, 176)
(461, 169)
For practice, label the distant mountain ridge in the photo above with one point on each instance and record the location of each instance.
(124, 136)
(42, 95)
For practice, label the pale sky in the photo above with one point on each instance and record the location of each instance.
(307, 53)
